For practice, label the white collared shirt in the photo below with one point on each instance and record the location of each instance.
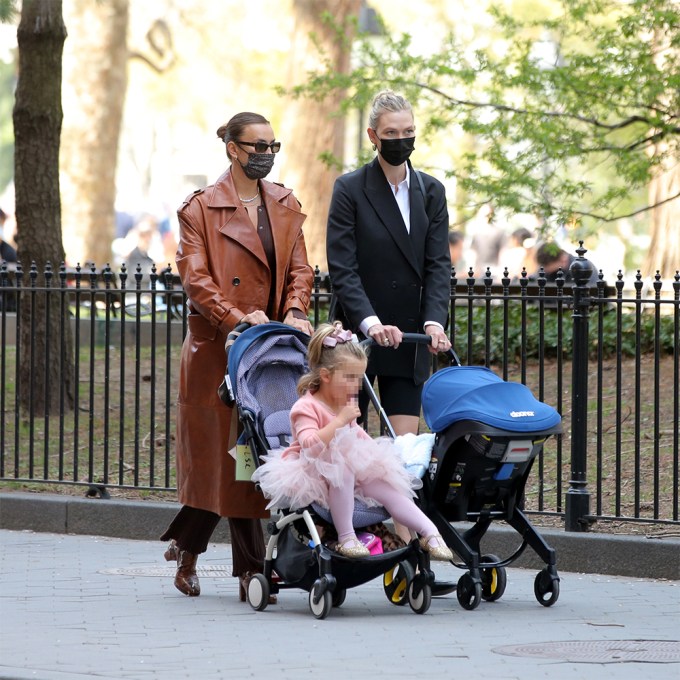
(401, 195)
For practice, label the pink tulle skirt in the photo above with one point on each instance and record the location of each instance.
(297, 480)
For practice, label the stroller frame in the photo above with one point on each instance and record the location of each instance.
(327, 575)
(486, 577)
(310, 565)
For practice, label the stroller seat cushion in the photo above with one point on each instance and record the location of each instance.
(276, 428)
(364, 515)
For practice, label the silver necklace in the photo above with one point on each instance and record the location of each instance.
(249, 200)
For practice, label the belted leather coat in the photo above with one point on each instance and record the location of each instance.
(225, 274)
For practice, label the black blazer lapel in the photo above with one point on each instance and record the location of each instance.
(419, 218)
(380, 196)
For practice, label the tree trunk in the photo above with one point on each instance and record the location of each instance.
(663, 255)
(94, 95)
(312, 127)
(37, 126)
(664, 248)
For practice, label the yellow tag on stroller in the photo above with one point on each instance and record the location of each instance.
(245, 463)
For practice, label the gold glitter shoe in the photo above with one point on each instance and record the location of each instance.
(352, 547)
(436, 547)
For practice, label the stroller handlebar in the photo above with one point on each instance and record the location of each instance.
(407, 339)
(418, 339)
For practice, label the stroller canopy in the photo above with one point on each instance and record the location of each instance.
(264, 365)
(477, 393)
(257, 335)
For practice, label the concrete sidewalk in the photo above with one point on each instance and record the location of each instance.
(592, 552)
(76, 606)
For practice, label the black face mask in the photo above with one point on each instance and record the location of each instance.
(259, 165)
(397, 151)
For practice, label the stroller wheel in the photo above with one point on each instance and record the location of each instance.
(396, 582)
(339, 597)
(421, 602)
(469, 592)
(322, 608)
(258, 592)
(494, 579)
(546, 588)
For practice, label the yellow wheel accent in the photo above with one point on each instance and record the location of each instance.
(396, 582)
(494, 580)
(400, 591)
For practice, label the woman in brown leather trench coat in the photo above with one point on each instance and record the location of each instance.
(241, 258)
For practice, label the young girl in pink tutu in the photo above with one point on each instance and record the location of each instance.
(332, 460)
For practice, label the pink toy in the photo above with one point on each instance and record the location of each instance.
(372, 542)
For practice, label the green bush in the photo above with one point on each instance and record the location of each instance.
(530, 339)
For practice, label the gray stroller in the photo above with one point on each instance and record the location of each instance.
(264, 364)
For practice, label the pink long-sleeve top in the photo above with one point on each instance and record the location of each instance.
(307, 417)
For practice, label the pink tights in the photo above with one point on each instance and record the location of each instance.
(402, 509)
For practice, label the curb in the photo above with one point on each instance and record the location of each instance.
(592, 553)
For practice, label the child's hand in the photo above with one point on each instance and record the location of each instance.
(349, 412)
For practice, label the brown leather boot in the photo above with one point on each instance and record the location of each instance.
(172, 552)
(186, 580)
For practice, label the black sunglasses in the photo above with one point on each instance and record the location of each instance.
(261, 147)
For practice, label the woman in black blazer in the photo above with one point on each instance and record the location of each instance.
(388, 258)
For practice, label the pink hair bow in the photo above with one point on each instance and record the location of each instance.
(337, 337)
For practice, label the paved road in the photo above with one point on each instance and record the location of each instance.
(74, 607)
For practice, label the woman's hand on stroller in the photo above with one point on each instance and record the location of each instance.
(300, 324)
(440, 342)
(385, 336)
(255, 318)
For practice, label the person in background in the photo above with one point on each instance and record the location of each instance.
(242, 259)
(456, 243)
(487, 239)
(516, 255)
(552, 258)
(124, 222)
(7, 251)
(167, 228)
(147, 250)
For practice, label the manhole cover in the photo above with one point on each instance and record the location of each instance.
(599, 651)
(207, 571)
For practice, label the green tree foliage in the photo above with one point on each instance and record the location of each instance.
(7, 10)
(553, 105)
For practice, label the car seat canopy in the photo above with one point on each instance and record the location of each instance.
(477, 393)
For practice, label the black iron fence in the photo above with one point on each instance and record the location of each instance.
(605, 356)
